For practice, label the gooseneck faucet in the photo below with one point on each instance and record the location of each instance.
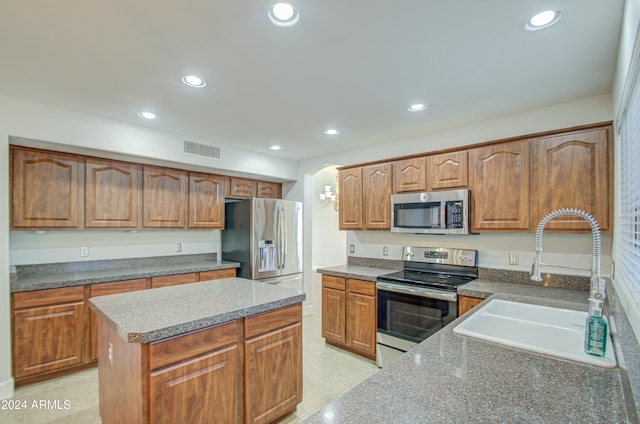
(597, 291)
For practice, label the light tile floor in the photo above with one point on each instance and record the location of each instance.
(327, 373)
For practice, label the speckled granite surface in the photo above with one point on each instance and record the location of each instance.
(548, 280)
(366, 273)
(376, 263)
(48, 276)
(455, 379)
(149, 315)
(485, 288)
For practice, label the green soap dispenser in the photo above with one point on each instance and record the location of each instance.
(595, 339)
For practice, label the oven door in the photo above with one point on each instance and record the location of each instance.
(407, 315)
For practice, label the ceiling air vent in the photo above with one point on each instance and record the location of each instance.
(192, 148)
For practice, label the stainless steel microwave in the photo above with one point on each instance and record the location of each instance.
(438, 212)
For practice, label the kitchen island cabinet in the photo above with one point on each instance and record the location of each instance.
(233, 355)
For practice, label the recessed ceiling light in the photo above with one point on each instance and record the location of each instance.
(283, 14)
(147, 115)
(194, 81)
(332, 131)
(276, 147)
(417, 107)
(543, 20)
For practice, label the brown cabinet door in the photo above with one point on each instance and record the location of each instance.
(269, 190)
(217, 274)
(206, 201)
(466, 302)
(572, 171)
(447, 171)
(46, 190)
(273, 374)
(333, 315)
(48, 338)
(350, 199)
(500, 193)
(112, 197)
(174, 280)
(361, 317)
(241, 188)
(378, 181)
(202, 390)
(409, 175)
(164, 197)
(106, 289)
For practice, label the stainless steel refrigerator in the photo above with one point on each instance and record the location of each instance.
(265, 236)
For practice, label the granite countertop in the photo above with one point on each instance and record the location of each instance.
(366, 273)
(485, 288)
(49, 276)
(455, 379)
(150, 315)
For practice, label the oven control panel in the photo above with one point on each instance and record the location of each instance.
(440, 255)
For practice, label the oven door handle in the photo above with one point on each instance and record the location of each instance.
(422, 292)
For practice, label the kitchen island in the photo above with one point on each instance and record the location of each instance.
(224, 351)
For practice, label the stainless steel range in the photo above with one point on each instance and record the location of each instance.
(422, 298)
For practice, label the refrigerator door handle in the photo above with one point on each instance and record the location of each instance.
(283, 228)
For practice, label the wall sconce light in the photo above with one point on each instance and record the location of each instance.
(328, 198)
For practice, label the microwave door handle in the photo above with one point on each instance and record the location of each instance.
(443, 215)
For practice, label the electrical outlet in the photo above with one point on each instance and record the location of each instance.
(84, 251)
(385, 251)
(514, 258)
(178, 247)
(352, 248)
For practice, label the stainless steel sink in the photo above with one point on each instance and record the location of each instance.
(542, 329)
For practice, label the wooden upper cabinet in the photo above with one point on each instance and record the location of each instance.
(242, 188)
(164, 197)
(377, 187)
(409, 175)
(447, 171)
(573, 171)
(206, 201)
(500, 192)
(112, 194)
(350, 208)
(269, 190)
(46, 189)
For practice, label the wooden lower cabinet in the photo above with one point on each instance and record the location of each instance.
(467, 302)
(197, 391)
(273, 374)
(48, 332)
(349, 314)
(248, 370)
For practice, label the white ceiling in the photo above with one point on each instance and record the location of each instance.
(351, 64)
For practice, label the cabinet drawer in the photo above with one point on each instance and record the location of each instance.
(172, 280)
(187, 346)
(217, 274)
(104, 289)
(48, 297)
(263, 323)
(329, 281)
(362, 287)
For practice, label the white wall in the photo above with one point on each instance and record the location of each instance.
(6, 380)
(28, 247)
(328, 243)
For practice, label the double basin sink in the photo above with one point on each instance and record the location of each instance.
(542, 329)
